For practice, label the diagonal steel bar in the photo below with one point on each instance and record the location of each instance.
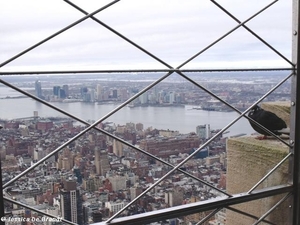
(113, 136)
(140, 71)
(225, 35)
(238, 111)
(270, 172)
(57, 33)
(208, 216)
(119, 34)
(36, 210)
(252, 32)
(272, 209)
(85, 130)
(249, 215)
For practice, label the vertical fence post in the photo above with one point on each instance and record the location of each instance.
(295, 120)
(1, 193)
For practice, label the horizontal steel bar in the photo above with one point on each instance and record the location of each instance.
(197, 207)
(143, 71)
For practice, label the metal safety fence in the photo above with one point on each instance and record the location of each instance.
(291, 190)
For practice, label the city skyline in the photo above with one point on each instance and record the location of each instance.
(102, 165)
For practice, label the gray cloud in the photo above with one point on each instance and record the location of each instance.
(172, 30)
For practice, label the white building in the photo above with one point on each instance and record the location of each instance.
(115, 207)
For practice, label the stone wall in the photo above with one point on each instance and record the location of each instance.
(249, 159)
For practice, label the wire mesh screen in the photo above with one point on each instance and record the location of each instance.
(137, 112)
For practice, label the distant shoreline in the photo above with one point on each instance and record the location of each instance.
(14, 97)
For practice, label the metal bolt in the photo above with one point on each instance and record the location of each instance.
(293, 103)
(295, 32)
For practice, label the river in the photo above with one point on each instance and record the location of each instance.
(184, 119)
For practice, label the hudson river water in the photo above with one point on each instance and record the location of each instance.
(183, 119)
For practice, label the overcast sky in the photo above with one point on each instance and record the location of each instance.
(172, 30)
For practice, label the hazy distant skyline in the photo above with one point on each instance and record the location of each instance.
(171, 30)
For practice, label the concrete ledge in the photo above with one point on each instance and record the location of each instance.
(249, 160)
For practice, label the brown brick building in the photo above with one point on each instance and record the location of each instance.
(164, 147)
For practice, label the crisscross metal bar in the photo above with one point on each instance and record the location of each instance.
(201, 147)
(226, 34)
(86, 129)
(185, 160)
(119, 34)
(72, 116)
(57, 33)
(180, 164)
(244, 113)
(112, 136)
(208, 216)
(252, 32)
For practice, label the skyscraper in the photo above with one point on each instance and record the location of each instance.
(144, 98)
(99, 93)
(56, 90)
(101, 162)
(203, 131)
(71, 202)
(38, 89)
(65, 87)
